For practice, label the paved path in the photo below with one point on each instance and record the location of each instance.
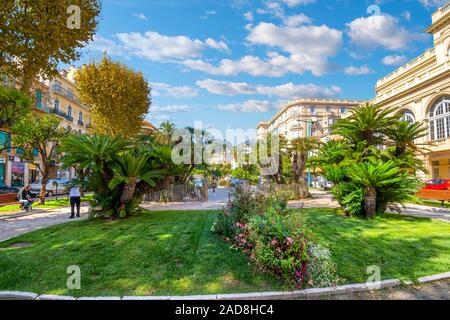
(11, 226)
(427, 212)
(430, 291)
(17, 224)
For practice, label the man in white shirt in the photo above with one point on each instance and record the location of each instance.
(75, 199)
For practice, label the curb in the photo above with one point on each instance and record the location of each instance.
(436, 277)
(307, 293)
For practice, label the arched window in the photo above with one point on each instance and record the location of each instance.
(440, 119)
(408, 116)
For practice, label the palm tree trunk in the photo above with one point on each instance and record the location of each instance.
(370, 202)
(128, 191)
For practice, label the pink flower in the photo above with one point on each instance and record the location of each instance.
(289, 240)
(298, 274)
(274, 242)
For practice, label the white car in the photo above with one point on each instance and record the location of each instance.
(51, 187)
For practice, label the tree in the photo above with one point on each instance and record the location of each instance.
(118, 96)
(39, 35)
(300, 149)
(372, 176)
(165, 132)
(366, 124)
(373, 164)
(121, 171)
(43, 134)
(14, 105)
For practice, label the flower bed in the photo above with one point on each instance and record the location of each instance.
(275, 239)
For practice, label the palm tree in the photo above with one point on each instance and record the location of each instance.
(300, 149)
(405, 137)
(374, 175)
(128, 171)
(368, 123)
(93, 153)
(165, 132)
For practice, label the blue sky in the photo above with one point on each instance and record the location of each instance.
(233, 63)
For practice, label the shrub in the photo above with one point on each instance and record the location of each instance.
(273, 237)
(280, 245)
(321, 270)
(224, 183)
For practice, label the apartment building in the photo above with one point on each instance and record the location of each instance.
(58, 97)
(420, 91)
(306, 117)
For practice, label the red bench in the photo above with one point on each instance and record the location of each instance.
(8, 198)
(439, 195)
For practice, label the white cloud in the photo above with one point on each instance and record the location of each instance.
(250, 106)
(297, 20)
(287, 90)
(276, 9)
(160, 89)
(219, 45)
(294, 3)
(309, 46)
(105, 45)
(249, 16)
(156, 47)
(381, 31)
(406, 15)
(171, 109)
(394, 60)
(358, 71)
(208, 13)
(140, 16)
(433, 3)
(275, 66)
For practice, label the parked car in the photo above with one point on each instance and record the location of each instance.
(51, 187)
(4, 189)
(327, 185)
(437, 184)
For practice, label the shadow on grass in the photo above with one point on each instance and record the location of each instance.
(403, 247)
(158, 253)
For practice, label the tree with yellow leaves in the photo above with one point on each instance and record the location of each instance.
(37, 35)
(118, 96)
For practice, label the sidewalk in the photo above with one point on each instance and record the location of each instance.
(12, 225)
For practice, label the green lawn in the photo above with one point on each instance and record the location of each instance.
(174, 253)
(63, 201)
(156, 254)
(403, 247)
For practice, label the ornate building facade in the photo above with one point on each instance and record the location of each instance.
(306, 117)
(420, 91)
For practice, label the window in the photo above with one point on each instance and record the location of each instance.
(408, 116)
(39, 99)
(56, 105)
(80, 117)
(328, 109)
(69, 111)
(440, 119)
(343, 109)
(313, 110)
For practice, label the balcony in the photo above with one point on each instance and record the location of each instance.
(65, 92)
(60, 113)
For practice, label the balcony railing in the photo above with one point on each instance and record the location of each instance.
(60, 113)
(67, 93)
